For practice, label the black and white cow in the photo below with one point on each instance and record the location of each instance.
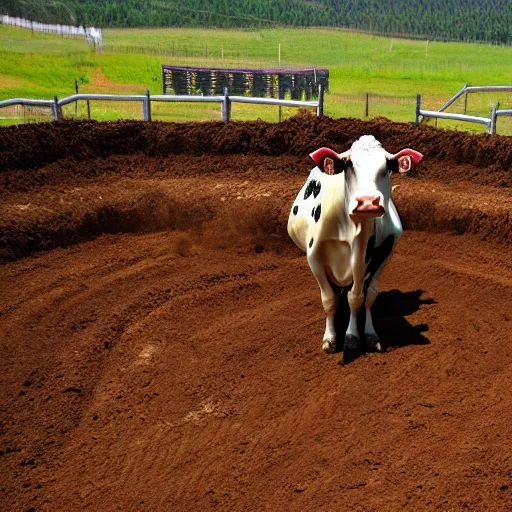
(346, 222)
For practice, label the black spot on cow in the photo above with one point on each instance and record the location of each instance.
(295, 210)
(310, 189)
(376, 256)
(317, 189)
(311, 243)
(317, 212)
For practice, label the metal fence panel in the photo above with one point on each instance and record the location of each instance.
(59, 109)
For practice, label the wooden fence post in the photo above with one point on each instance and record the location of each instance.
(366, 109)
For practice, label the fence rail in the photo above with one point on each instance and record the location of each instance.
(490, 121)
(468, 89)
(225, 100)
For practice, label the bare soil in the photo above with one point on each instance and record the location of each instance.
(160, 337)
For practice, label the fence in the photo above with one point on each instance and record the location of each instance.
(91, 34)
(201, 51)
(371, 105)
(490, 121)
(225, 100)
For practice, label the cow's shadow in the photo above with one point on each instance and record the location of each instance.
(389, 312)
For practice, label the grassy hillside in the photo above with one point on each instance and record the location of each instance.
(391, 71)
(482, 20)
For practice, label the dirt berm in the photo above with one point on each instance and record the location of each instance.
(70, 181)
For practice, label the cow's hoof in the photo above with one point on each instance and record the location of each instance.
(351, 349)
(373, 343)
(351, 342)
(329, 345)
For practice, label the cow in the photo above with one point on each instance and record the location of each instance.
(345, 220)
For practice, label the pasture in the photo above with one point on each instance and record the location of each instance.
(161, 335)
(392, 72)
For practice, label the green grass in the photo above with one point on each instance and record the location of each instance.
(392, 71)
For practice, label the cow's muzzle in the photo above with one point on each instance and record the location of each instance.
(368, 205)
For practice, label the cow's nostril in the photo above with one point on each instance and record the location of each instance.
(376, 201)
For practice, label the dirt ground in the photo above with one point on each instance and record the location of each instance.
(160, 336)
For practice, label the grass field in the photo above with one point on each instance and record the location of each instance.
(391, 71)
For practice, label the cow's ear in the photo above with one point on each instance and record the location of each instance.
(330, 162)
(404, 160)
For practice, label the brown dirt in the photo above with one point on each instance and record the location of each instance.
(100, 83)
(451, 155)
(169, 357)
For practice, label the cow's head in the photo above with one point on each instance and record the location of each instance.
(367, 166)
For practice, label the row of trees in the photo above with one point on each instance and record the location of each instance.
(467, 20)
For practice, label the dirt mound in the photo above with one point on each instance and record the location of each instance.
(34, 146)
(62, 183)
(185, 192)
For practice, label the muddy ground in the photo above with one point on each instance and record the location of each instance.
(160, 337)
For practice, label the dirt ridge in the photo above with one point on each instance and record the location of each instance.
(49, 218)
(33, 146)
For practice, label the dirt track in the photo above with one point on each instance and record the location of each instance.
(174, 362)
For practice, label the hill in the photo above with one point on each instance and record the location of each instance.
(460, 20)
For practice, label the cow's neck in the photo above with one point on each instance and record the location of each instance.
(364, 228)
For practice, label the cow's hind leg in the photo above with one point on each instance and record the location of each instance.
(330, 301)
(379, 259)
(372, 290)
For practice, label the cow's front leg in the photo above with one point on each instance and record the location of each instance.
(352, 345)
(370, 335)
(330, 302)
